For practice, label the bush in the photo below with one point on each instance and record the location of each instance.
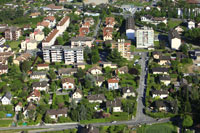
(62, 119)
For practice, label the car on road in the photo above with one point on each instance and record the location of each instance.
(114, 122)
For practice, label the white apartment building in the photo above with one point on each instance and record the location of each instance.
(63, 24)
(60, 53)
(145, 37)
(51, 38)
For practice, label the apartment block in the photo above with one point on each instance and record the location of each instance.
(59, 53)
(63, 24)
(145, 37)
(51, 38)
(12, 33)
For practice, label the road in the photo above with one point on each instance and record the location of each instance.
(96, 31)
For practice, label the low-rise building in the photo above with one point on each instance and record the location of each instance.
(162, 105)
(56, 113)
(160, 93)
(90, 20)
(179, 30)
(67, 71)
(174, 39)
(29, 44)
(68, 83)
(160, 70)
(35, 14)
(114, 106)
(81, 42)
(153, 20)
(113, 83)
(108, 64)
(110, 22)
(127, 92)
(53, 7)
(41, 86)
(43, 67)
(3, 69)
(107, 33)
(23, 57)
(2, 40)
(156, 54)
(165, 79)
(38, 75)
(30, 107)
(191, 24)
(98, 98)
(51, 20)
(80, 65)
(18, 107)
(6, 99)
(99, 80)
(164, 60)
(34, 96)
(96, 70)
(122, 70)
(77, 95)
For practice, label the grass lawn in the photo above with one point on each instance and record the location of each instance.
(15, 45)
(5, 123)
(158, 128)
(173, 24)
(135, 3)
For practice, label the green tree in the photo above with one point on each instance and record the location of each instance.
(25, 66)
(52, 74)
(187, 121)
(46, 31)
(60, 40)
(95, 55)
(184, 49)
(116, 57)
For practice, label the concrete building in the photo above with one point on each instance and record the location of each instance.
(130, 28)
(51, 38)
(191, 24)
(145, 37)
(81, 42)
(63, 24)
(29, 44)
(174, 39)
(96, 2)
(12, 33)
(60, 53)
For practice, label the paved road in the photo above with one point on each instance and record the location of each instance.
(96, 30)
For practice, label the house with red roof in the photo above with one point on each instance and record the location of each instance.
(107, 33)
(113, 83)
(34, 96)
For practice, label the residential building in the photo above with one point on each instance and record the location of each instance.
(38, 75)
(40, 86)
(80, 65)
(96, 70)
(53, 7)
(191, 24)
(56, 113)
(97, 2)
(130, 28)
(174, 39)
(67, 71)
(160, 93)
(51, 20)
(81, 42)
(91, 14)
(83, 31)
(22, 58)
(2, 40)
(110, 22)
(107, 33)
(77, 95)
(122, 70)
(99, 80)
(113, 83)
(5, 48)
(98, 98)
(108, 64)
(165, 79)
(5, 52)
(179, 30)
(145, 37)
(18, 107)
(30, 107)
(154, 20)
(156, 54)
(60, 53)
(6, 99)
(162, 105)
(34, 96)
(51, 38)
(12, 33)
(90, 20)
(42, 25)
(68, 83)
(35, 14)
(29, 44)
(160, 70)
(164, 60)
(43, 67)
(37, 35)
(127, 92)
(89, 129)
(114, 106)
(63, 24)
(3, 69)
(124, 47)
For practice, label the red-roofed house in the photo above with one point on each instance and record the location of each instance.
(86, 24)
(51, 38)
(110, 22)
(42, 25)
(43, 66)
(51, 20)
(107, 33)
(34, 96)
(113, 84)
(83, 31)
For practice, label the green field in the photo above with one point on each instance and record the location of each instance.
(5, 123)
(173, 24)
(158, 128)
(15, 45)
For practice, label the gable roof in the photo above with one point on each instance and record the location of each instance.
(156, 53)
(57, 111)
(125, 89)
(8, 95)
(95, 67)
(51, 35)
(3, 67)
(130, 23)
(160, 69)
(124, 69)
(35, 93)
(40, 84)
(50, 18)
(174, 34)
(63, 21)
(79, 38)
(159, 92)
(164, 58)
(99, 78)
(115, 103)
(78, 91)
(96, 97)
(67, 70)
(113, 80)
(69, 80)
(164, 77)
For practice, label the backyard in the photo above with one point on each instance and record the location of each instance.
(174, 23)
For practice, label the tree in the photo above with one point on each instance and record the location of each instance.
(187, 121)
(52, 74)
(25, 66)
(10, 60)
(95, 55)
(46, 31)
(184, 49)
(60, 40)
(80, 74)
(65, 36)
(116, 57)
